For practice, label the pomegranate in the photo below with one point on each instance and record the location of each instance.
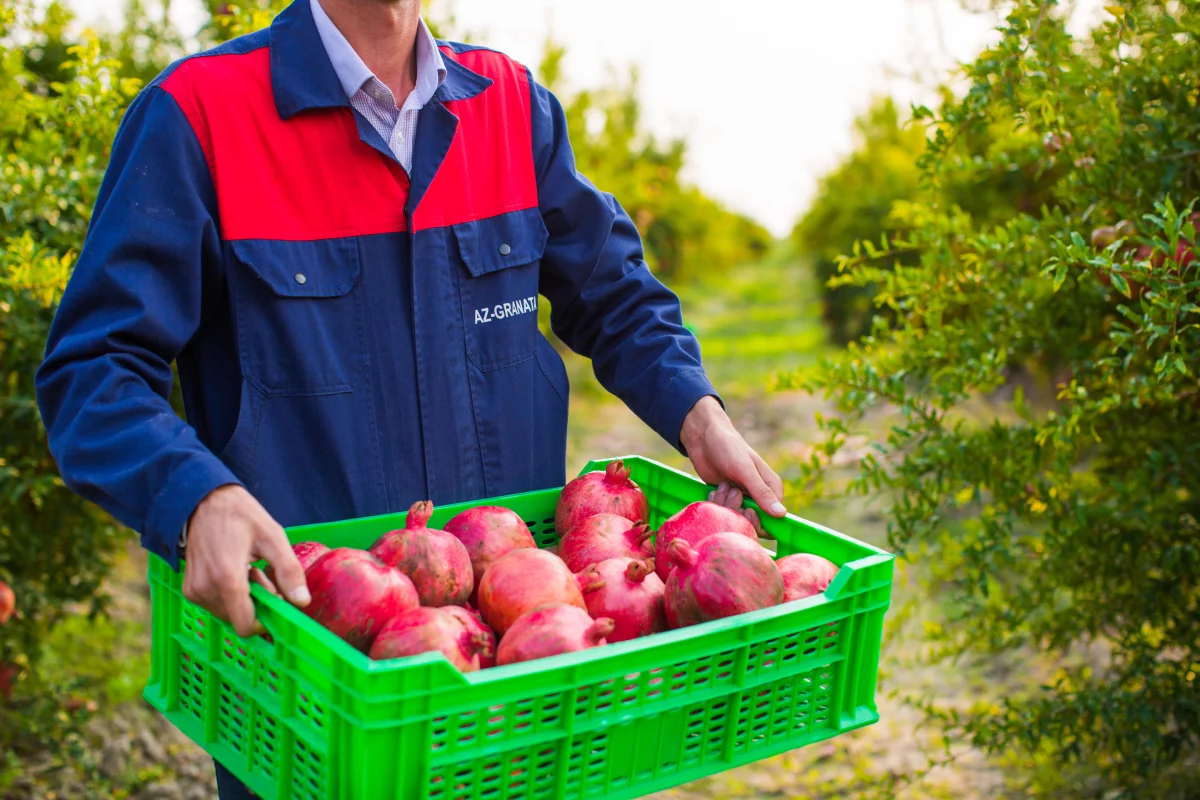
(694, 523)
(1053, 142)
(608, 492)
(423, 630)
(435, 561)
(1145, 252)
(604, 536)
(1104, 236)
(306, 552)
(550, 630)
(804, 575)
(725, 575)
(9, 672)
(479, 629)
(488, 532)
(627, 591)
(8, 602)
(354, 594)
(521, 580)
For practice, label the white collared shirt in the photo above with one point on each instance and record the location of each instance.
(371, 97)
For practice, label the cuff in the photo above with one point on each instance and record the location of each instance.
(190, 483)
(684, 391)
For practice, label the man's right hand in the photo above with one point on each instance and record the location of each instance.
(228, 531)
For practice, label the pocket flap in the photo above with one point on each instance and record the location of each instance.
(319, 268)
(496, 243)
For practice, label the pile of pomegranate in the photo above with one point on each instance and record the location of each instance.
(481, 592)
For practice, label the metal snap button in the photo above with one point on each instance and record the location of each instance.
(301, 279)
(505, 249)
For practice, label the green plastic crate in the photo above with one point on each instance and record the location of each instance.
(310, 717)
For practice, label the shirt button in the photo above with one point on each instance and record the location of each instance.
(505, 249)
(301, 279)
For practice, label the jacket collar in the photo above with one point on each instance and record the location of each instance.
(302, 76)
(461, 83)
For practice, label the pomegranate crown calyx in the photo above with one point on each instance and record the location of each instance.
(682, 552)
(599, 629)
(482, 645)
(642, 533)
(419, 514)
(637, 571)
(589, 579)
(617, 472)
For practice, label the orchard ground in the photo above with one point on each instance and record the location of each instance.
(763, 320)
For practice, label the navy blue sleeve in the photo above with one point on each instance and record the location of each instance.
(131, 305)
(605, 303)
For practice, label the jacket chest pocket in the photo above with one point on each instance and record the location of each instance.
(499, 286)
(299, 315)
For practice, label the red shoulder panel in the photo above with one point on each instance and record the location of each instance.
(489, 168)
(307, 178)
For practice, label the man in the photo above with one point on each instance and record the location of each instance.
(339, 229)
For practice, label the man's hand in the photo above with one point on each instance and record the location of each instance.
(227, 531)
(721, 456)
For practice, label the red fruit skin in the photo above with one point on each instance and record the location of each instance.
(483, 636)
(8, 602)
(608, 492)
(1104, 236)
(550, 630)
(627, 591)
(1053, 142)
(424, 630)
(488, 532)
(306, 552)
(523, 580)
(1145, 252)
(693, 524)
(354, 594)
(436, 562)
(603, 536)
(805, 575)
(8, 676)
(725, 575)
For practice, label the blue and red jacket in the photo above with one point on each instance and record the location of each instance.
(350, 338)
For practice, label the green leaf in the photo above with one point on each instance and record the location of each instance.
(1060, 275)
(1115, 10)
(1122, 285)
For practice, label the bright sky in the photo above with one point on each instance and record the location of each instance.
(764, 90)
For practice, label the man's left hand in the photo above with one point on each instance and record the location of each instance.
(721, 456)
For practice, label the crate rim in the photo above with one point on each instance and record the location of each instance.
(364, 665)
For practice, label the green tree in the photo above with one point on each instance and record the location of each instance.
(1069, 527)
(55, 549)
(687, 235)
(855, 202)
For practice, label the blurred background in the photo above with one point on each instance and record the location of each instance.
(879, 216)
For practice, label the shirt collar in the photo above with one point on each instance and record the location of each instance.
(352, 73)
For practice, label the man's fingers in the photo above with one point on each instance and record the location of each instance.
(239, 608)
(773, 481)
(753, 482)
(260, 577)
(752, 515)
(726, 495)
(272, 544)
